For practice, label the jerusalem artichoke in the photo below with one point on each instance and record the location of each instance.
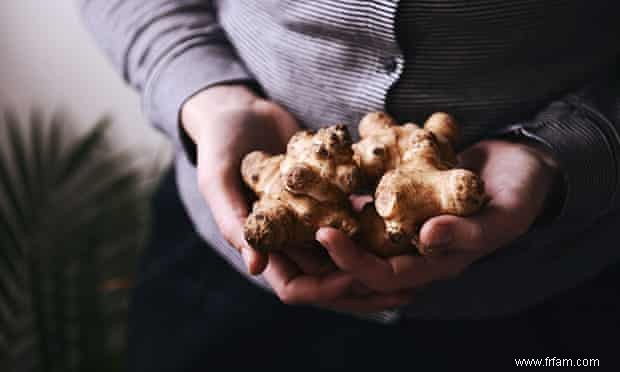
(414, 169)
(302, 190)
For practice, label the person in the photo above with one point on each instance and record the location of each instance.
(535, 88)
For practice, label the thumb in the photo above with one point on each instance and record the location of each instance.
(229, 208)
(480, 234)
(449, 234)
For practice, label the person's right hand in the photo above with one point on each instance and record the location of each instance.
(226, 122)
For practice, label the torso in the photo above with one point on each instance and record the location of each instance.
(490, 63)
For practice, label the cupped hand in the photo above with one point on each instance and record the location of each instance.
(227, 122)
(518, 178)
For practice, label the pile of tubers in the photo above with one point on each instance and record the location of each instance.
(410, 169)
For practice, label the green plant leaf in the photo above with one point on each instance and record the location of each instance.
(74, 213)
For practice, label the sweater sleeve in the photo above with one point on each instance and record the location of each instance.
(167, 49)
(582, 131)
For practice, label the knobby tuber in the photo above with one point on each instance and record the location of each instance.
(413, 170)
(302, 190)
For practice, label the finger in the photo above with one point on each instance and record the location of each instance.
(410, 271)
(359, 201)
(311, 258)
(294, 287)
(394, 274)
(255, 261)
(225, 198)
(370, 304)
(371, 270)
(358, 289)
(495, 226)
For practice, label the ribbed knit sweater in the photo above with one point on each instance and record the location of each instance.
(545, 69)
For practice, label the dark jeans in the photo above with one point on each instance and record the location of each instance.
(192, 312)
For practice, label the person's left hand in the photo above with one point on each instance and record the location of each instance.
(518, 178)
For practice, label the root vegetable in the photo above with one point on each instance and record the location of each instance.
(413, 169)
(302, 190)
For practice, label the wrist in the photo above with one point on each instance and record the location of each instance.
(552, 180)
(212, 101)
(554, 200)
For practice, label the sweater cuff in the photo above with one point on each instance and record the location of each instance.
(578, 139)
(185, 73)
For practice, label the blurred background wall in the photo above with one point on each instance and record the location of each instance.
(47, 58)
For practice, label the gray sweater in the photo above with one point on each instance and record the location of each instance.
(545, 69)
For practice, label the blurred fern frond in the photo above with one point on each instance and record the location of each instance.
(73, 215)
